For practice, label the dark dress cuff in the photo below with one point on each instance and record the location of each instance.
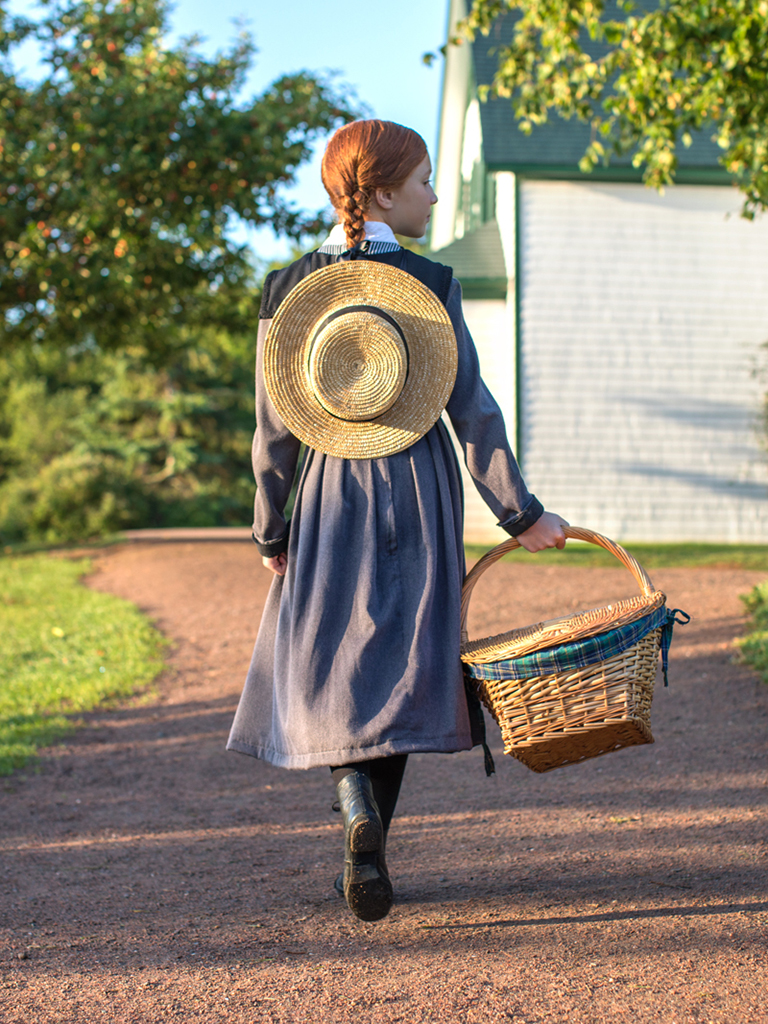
(272, 548)
(521, 521)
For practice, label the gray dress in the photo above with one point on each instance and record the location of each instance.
(357, 654)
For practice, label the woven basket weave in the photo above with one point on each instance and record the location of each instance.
(563, 718)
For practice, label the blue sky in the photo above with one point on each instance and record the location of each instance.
(376, 48)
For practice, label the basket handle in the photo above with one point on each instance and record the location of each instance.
(572, 532)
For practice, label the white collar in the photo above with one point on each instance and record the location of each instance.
(375, 230)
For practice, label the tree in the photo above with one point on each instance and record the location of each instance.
(644, 75)
(105, 441)
(120, 171)
(127, 317)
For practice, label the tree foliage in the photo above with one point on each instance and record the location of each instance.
(644, 75)
(127, 316)
(120, 171)
(106, 441)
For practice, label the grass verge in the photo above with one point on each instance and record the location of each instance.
(650, 556)
(64, 649)
(753, 648)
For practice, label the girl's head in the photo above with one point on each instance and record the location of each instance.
(378, 170)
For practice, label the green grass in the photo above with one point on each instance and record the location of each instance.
(650, 556)
(754, 646)
(31, 547)
(64, 649)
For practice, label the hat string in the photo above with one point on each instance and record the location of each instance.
(361, 250)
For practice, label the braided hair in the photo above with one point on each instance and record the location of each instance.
(362, 157)
(351, 211)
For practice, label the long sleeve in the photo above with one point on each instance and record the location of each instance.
(275, 454)
(479, 426)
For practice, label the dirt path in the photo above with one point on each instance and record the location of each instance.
(147, 875)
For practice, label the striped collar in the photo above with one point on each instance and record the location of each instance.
(379, 235)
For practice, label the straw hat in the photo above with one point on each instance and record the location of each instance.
(360, 360)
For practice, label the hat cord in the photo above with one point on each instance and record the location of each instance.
(361, 250)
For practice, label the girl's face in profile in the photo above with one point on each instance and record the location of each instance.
(407, 208)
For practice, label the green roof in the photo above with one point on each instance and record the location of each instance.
(558, 145)
(478, 262)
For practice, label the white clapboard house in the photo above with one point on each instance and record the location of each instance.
(622, 331)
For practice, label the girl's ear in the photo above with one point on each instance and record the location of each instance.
(384, 199)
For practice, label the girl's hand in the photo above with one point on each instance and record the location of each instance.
(278, 564)
(546, 532)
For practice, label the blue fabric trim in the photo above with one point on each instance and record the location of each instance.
(674, 615)
(581, 653)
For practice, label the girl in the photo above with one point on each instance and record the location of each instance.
(356, 663)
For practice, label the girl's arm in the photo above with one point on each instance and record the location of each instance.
(274, 454)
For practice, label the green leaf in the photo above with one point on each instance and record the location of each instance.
(666, 71)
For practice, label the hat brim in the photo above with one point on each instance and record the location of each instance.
(432, 365)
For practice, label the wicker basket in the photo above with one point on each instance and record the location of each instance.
(548, 721)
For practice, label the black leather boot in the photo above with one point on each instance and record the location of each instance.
(360, 813)
(365, 882)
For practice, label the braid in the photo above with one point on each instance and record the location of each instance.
(352, 210)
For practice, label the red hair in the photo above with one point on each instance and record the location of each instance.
(365, 156)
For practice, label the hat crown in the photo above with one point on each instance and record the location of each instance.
(358, 363)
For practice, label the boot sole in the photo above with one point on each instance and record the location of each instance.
(370, 900)
(365, 836)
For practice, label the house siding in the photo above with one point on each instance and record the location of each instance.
(642, 324)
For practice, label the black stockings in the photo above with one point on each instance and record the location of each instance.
(386, 775)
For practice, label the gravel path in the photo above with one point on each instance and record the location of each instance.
(147, 875)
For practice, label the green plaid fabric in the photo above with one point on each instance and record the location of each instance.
(581, 653)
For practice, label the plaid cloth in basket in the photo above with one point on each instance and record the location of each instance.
(580, 653)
